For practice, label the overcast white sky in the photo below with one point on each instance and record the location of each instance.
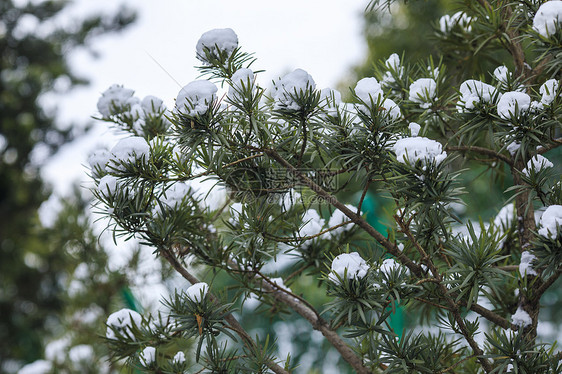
(322, 37)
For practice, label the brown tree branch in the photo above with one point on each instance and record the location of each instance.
(482, 150)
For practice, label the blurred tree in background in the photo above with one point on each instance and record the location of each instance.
(33, 62)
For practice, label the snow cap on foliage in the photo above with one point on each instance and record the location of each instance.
(548, 18)
(179, 358)
(391, 109)
(313, 223)
(502, 74)
(99, 159)
(108, 185)
(548, 91)
(280, 284)
(174, 195)
(423, 92)
(130, 149)
(37, 367)
(290, 87)
(473, 92)
(148, 356)
(122, 321)
(213, 41)
(355, 265)
(447, 22)
(368, 89)
(116, 99)
(414, 129)
(338, 218)
(390, 264)
(330, 99)
(241, 80)
(152, 104)
(56, 350)
(513, 103)
(550, 220)
(521, 318)
(392, 63)
(410, 150)
(196, 291)
(513, 147)
(537, 163)
(195, 98)
(526, 266)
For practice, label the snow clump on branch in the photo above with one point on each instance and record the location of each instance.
(537, 163)
(521, 318)
(122, 321)
(37, 367)
(179, 358)
(393, 64)
(215, 42)
(197, 291)
(148, 356)
(195, 98)
(548, 91)
(338, 218)
(474, 92)
(512, 104)
(290, 89)
(349, 265)
(242, 80)
(116, 99)
(526, 266)
(548, 18)
(129, 149)
(551, 221)
(411, 150)
(423, 92)
(447, 22)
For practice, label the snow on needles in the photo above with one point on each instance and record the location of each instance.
(512, 104)
(537, 163)
(423, 92)
(548, 91)
(122, 321)
(349, 265)
(241, 81)
(148, 356)
(114, 100)
(290, 89)
(551, 221)
(195, 98)
(474, 92)
(521, 318)
(214, 42)
(411, 150)
(548, 18)
(197, 291)
(526, 266)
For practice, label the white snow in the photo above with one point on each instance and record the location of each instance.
(179, 358)
(130, 149)
(505, 216)
(289, 199)
(99, 159)
(81, 352)
(330, 100)
(521, 318)
(195, 98)
(548, 18)
(114, 100)
(389, 265)
(290, 88)
(512, 104)
(414, 129)
(148, 355)
(548, 91)
(526, 266)
(447, 22)
(242, 80)
(537, 163)
(369, 89)
(223, 40)
(197, 291)
(37, 367)
(392, 63)
(313, 223)
(391, 109)
(423, 92)
(280, 284)
(473, 92)
(337, 218)
(56, 350)
(350, 265)
(174, 195)
(502, 74)
(122, 321)
(550, 220)
(410, 150)
(108, 185)
(152, 104)
(513, 147)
